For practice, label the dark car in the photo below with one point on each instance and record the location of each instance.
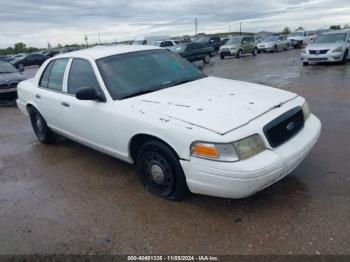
(29, 60)
(5, 58)
(194, 52)
(213, 41)
(9, 79)
(51, 53)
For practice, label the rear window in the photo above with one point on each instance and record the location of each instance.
(52, 78)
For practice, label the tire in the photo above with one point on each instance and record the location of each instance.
(275, 49)
(206, 59)
(345, 57)
(239, 53)
(222, 56)
(44, 134)
(160, 171)
(305, 63)
(255, 51)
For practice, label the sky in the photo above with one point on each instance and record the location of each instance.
(37, 22)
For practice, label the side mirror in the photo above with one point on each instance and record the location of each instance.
(88, 93)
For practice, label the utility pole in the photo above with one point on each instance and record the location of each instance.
(196, 26)
(86, 40)
(240, 28)
(99, 38)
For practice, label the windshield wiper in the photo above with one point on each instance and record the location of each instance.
(185, 81)
(141, 92)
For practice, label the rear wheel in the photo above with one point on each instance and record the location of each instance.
(206, 59)
(239, 53)
(222, 56)
(160, 171)
(41, 130)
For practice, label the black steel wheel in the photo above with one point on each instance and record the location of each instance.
(160, 171)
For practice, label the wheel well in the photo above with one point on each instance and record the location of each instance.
(29, 107)
(139, 140)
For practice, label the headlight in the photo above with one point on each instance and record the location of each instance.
(338, 49)
(230, 152)
(306, 111)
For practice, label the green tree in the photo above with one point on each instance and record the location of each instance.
(20, 47)
(286, 31)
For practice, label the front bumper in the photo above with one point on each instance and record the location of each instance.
(228, 52)
(329, 57)
(244, 178)
(265, 49)
(8, 90)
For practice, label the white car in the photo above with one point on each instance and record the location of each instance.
(185, 131)
(333, 46)
(273, 44)
(298, 39)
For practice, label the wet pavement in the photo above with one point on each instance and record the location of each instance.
(66, 198)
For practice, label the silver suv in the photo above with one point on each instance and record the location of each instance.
(238, 46)
(273, 44)
(332, 46)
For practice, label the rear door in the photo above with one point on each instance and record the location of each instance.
(85, 121)
(49, 94)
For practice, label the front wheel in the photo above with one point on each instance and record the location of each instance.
(206, 59)
(41, 130)
(222, 56)
(255, 51)
(305, 63)
(275, 49)
(345, 57)
(160, 171)
(239, 53)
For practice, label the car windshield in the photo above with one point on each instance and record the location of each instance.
(7, 68)
(234, 41)
(179, 48)
(136, 73)
(203, 40)
(297, 34)
(269, 39)
(331, 38)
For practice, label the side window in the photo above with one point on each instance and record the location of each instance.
(81, 75)
(56, 74)
(44, 81)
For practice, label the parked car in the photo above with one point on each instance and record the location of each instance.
(150, 40)
(237, 46)
(9, 79)
(194, 52)
(167, 43)
(273, 44)
(332, 46)
(29, 60)
(212, 41)
(5, 58)
(14, 57)
(298, 39)
(51, 53)
(184, 131)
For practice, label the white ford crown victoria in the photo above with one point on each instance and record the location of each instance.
(185, 131)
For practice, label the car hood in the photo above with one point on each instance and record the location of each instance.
(216, 104)
(319, 46)
(12, 77)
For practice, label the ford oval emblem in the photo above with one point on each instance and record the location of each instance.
(291, 126)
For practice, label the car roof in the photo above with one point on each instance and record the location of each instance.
(344, 31)
(98, 52)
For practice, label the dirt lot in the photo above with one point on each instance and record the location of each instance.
(66, 198)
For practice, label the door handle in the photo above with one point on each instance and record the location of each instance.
(37, 96)
(65, 104)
